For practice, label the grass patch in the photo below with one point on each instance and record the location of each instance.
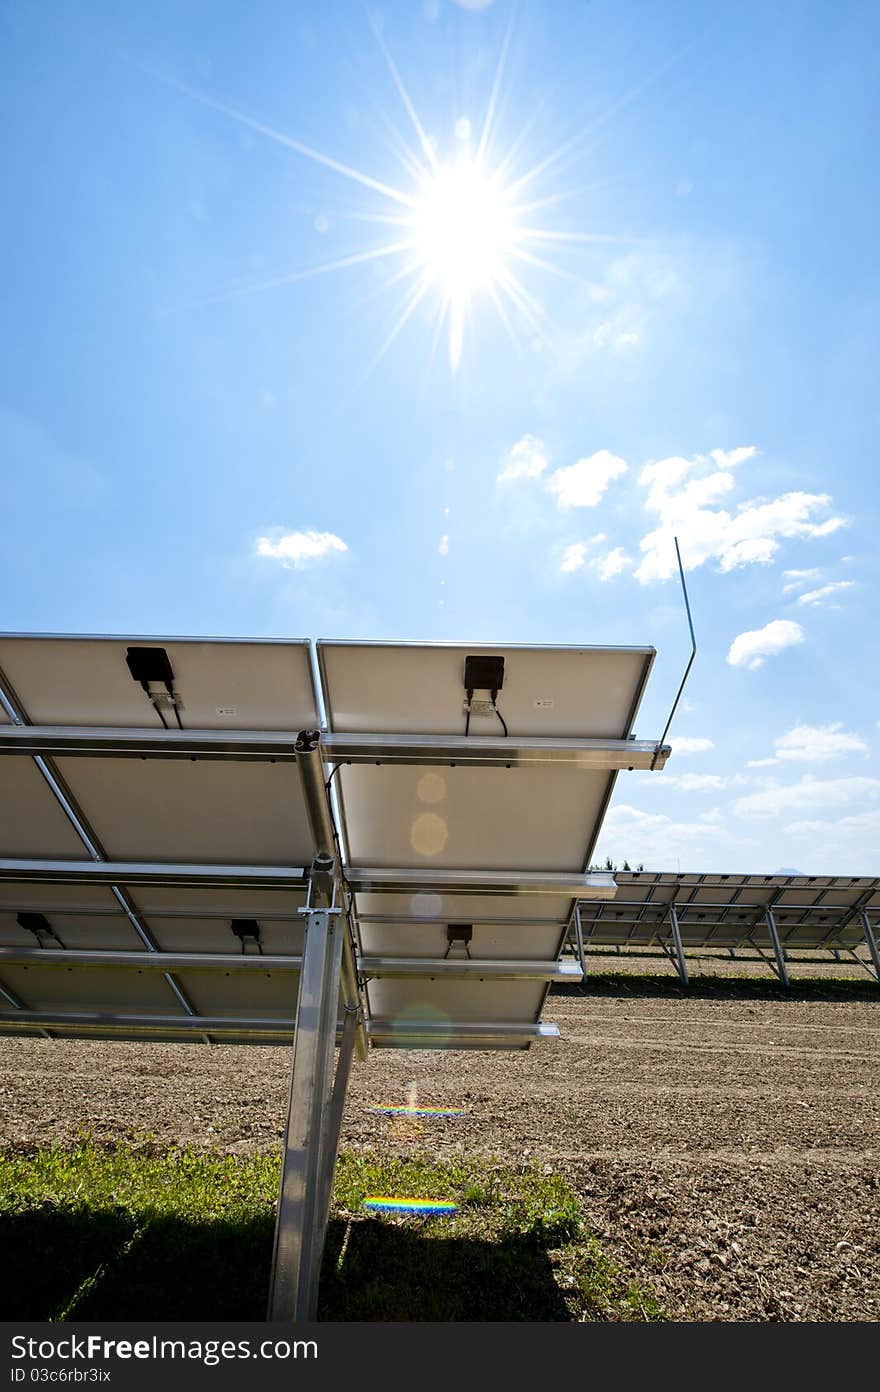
(707, 986)
(93, 1232)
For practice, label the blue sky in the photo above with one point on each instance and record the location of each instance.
(202, 435)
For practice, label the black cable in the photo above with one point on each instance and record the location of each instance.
(501, 718)
(467, 720)
(333, 773)
(158, 709)
(177, 713)
(342, 875)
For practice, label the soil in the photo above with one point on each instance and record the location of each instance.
(725, 1147)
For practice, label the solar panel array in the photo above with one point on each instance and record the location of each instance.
(810, 911)
(770, 914)
(463, 868)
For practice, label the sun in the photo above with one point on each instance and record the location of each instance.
(464, 231)
(461, 228)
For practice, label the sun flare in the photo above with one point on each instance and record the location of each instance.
(464, 230)
(459, 227)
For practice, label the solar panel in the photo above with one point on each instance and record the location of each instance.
(768, 913)
(215, 812)
(507, 817)
(171, 868)
(223, 684)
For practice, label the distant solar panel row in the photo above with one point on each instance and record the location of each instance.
(771, 913)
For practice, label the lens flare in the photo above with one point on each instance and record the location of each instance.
(382, 1203)
(464, 231)
(462, 227)
(418, 1111)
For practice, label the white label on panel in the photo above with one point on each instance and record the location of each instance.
(227, 710)
(544, 703)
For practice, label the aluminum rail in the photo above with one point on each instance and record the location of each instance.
(145, 961)
(596, 885)
(424, 968)
(382, 1033)
(474, 1034)
(282, 745)
(189, 1026)
(135, 872)
(492, 968)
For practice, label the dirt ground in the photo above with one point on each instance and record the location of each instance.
(725, 1148)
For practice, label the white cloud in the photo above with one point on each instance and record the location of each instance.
(527, 459)
(818, 743)
(655, 839)
(612, 564)
(698, 782)
(728, 459)
(605, 335)
(796, 579)
(691, 744)
(573, 556)
(688, 782)
(806, 794)
(682, 494)
(749, 649)
(300, 549)
(583, 484)
(577, 555)
(761, 763)
(815, 597)
(443, 548)
(842, 829)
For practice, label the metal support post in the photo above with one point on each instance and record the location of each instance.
(332, 1132)
(579, 939)
(681, 964)
(871, 941)
(309, 761)
(299, 1226)
(778, 949)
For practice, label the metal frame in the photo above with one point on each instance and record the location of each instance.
(146, 961)
(432, 968)
(280, 745)
(247, 1029)
(676, 953)
(871, 941)
(299, 1226)
(476, 1034)
(136, 872)
(598, 885)
(778, 950)
(425, 968)
(579, 941)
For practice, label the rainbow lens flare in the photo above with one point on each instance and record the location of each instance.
(418, 1111)
(380, 1203)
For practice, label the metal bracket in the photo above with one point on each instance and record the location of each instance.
(871, 941)
(676, 952)
(778, 950)
(579, 940)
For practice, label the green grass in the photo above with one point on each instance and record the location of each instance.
(706, 985)
(137, 1232)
